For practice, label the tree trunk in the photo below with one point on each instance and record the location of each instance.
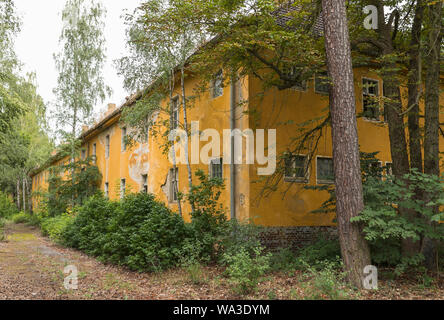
(185, 121)
(431, 141)
(414, 89)
(349, 194)
(24, 195)
(18, 195)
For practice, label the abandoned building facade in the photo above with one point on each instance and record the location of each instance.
(280, 202)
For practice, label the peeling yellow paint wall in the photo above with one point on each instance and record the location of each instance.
(289, 205)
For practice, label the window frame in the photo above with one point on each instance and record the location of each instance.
(218, 76)
(210, 169)
(145, 183)
(304, 179)
(378, 119)
(123, 140)
(106, 189)
(172, 191)
(315, 87)
(107, 146)
(122, 188)
(321, 181)
(175, 110)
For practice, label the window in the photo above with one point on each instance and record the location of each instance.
(296, 168)
(218, 82)
(174, 175)
(122, 188)
(123, 139)
(83, 154)
(145, 183)
(325, 172)
(216, 168)
(389, 168)
(175, 113)
(375, 169)
(94, 153)
(107, 147)
(322, 84)
(107, 189)
(370, 101)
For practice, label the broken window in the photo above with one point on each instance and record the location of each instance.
(145, 183)
(216, 168)
(218, 81)
(325, 171)
(296, 168)
(370, 101)
(174, 184)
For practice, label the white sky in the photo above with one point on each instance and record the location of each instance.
(38, 41)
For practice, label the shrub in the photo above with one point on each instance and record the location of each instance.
(284, 260)
(7, 207)
(245, 270)
(55, 227)
(88, 230)
(208, 220)
(317, 254)
(20, 217)
(2, 232)
(326, 282)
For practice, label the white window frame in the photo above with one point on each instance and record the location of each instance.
(145, 183)
(175, 110)
(362, 97)
(107, 146)
(317, 171)
(305, 179)
(106, 187)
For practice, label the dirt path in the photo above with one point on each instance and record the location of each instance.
(31, 268)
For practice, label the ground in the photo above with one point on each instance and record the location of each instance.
(31, 268)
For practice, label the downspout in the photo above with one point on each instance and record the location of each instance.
(232, 165)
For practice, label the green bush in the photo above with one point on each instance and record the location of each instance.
(317, 254)
(327, 281)
(139, 232)
(208, 220)
(2, 232)
(284, 260)
(20, 217)
(7, 207)
(245, 270)
(55, 227)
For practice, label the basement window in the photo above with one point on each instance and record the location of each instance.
(216, 168)
(325, 171)
(370, 101)
(218, 89)
(296, 168)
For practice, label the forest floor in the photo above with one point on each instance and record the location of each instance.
(32, 268)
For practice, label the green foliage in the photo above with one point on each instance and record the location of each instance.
(385, 227)
(327, 282)
(139, 232)
(317, 254)
(284, 260)
(7, 207)
(55, 227)
(208, 221)
(2, 231)
(246, 270)
(20, 217)
(82, 183)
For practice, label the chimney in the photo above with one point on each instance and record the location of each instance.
(111, 107)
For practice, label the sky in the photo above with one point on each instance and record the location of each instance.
(39, 39)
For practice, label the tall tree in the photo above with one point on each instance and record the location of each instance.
(80, 63)
(348, 180)
(432, 107)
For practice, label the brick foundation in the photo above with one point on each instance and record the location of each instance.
(275, 238)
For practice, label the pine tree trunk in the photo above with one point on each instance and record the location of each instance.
(414, 89)
(431, 141)
(349, 194)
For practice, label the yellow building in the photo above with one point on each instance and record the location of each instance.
(288, 209)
